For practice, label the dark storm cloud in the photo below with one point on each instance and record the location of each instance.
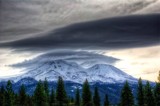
(22, 18)
(113, 33)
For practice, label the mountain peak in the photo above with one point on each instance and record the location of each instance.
(71, 71)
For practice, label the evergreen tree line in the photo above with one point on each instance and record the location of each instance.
(146, 96)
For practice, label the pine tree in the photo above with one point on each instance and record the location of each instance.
(106, 101)
(29, 101)
(40, 97)
(157, 92)
(140, 95)
(46, 89)
(16, 101)
(86, 94)
(9, 95)
(77, 98)
(22, 99)
(61, 96)
(126, 96)
(149, 99)
(52, 98)
(71, 101)
(2, 96)
(96, 97)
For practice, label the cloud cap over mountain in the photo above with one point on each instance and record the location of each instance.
(83, 58)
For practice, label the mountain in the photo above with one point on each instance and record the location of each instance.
(107, 78)
(108, 73)
(71, 71)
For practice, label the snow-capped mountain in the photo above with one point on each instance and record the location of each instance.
(71, 71)
(107, 73)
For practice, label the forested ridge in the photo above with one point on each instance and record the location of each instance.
(42, 96)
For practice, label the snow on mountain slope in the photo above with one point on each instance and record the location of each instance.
(53, 69)
(75, 73)
(103, 72)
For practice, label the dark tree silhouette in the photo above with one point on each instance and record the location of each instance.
(40, 97)
(140, 93)
(96, 97)
(22, 98)
(46, 89)
(61, 95)
(106, 101)
(52, 98)
(77, 98)
(86, 94)
(2, 96)
(9, 95)
(149, 99)
(157, 94)
(126, 96)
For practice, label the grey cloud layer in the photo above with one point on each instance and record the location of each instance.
(113, 33)
(23, 18)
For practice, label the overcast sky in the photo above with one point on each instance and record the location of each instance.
(123, 33)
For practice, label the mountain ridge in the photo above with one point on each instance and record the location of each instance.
(112, 89)
(71, 71)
